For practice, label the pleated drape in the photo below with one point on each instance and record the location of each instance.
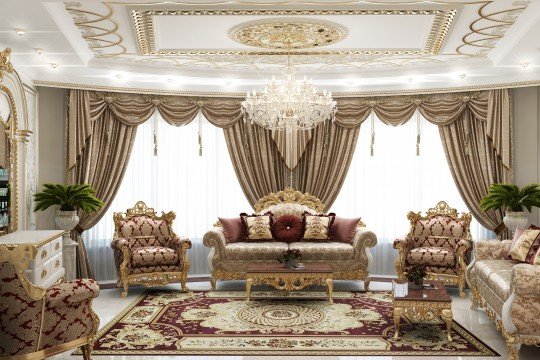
(475, 129)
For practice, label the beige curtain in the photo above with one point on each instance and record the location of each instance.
(478, 150)
(475, 130)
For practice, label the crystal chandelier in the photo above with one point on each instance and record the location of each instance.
(289, 104)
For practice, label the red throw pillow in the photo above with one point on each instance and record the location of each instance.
(234, 229)
(534, 227)
(288, 228)
(342, 229)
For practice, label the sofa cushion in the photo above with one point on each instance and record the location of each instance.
(288, 228)
(343, 230)
(153, 256)
(255, 250)
(259, 227)
(496, 274)
(519, 250)
(324, 250)
(234, 229)
(432, 256)
(317, 227)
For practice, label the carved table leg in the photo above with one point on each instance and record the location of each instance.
(330, 288)
(446, 315)
(398, 313)
(249, 282)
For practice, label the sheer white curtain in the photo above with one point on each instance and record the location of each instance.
(382, 188)
(197, 188)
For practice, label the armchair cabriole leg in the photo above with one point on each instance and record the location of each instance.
(183, 283)
(512, 346)
(86, 351)
(213, 281)
(461, 286)
(126, 286)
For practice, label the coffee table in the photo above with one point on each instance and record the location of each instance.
(422, 305)
(282, 277)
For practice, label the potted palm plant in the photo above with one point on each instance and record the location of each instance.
(512, 200)
(68, 198)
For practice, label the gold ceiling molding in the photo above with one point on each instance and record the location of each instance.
(101, 32)
(242, 95)
(288, 33)
(145, 32)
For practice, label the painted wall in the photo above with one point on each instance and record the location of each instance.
(526, 111)
(50, 142)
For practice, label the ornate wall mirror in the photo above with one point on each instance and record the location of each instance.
(8, 162)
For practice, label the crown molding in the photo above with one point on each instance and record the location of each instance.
(242, 94)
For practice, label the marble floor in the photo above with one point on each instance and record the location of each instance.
(109, 304)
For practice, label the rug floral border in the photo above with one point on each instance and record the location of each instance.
(485, 349)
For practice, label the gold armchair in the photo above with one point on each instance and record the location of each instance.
(146, 249)
(440, 241)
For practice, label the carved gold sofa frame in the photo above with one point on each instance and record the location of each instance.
(226, 268)
(152, 231)
(457, 241)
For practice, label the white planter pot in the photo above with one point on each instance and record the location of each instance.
(515, 219)
(66, 220)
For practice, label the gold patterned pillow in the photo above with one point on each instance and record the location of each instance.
(259, 227)
(521, 247)
(317, 227)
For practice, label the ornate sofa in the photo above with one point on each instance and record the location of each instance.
(440, 241)
(36, 323)
(146, 249)
(349, 261)
(509, 291)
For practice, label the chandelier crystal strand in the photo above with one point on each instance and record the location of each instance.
(289, 104)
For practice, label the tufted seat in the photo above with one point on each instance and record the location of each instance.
(256, 250)
(431, 256)
(324, 250)
(153, 255)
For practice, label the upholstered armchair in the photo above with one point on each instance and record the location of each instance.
(440, 241)
(146, 249)
(36, 323)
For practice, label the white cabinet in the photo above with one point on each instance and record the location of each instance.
(47, 267)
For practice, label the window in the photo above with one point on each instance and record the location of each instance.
(383, 188)
(380, 188)
(197, 188)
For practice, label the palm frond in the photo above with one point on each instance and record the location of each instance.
(67, 197)
(509, 197)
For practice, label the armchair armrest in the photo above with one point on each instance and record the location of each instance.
(72, 293)
(403, 243)
(180, 243)
(526, 280)
(491, 249)
(119, 243)
(463, 245)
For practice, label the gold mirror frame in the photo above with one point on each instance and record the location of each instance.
(11, 129)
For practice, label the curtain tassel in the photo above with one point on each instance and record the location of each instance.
(418, 133)
(200, 133)
(372, 146)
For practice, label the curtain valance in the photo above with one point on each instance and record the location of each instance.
(439, 109)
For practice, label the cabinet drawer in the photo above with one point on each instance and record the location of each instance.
(56, 246)
(43, 255)
(39, 274)
(56, 263)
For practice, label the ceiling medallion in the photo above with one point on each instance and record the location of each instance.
(288, 33)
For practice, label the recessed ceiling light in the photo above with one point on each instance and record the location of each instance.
(20, 32)
(525, 65)
(228, 82)
(39, 51)
(462, 76)
(350, 83)
(53, 65)
(119, 76)
(410, 79)
(170, 80)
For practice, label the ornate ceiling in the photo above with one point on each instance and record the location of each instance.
(366, 45)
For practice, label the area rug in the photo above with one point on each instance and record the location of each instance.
(273, 323)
